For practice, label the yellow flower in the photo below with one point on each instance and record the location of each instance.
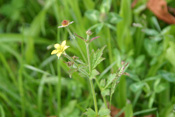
(65, 23)
(59, 49)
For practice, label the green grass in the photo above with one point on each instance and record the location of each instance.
(34, 83)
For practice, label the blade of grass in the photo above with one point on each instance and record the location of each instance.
(145, 111)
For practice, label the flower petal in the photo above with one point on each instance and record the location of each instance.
(71, 22)
(57, 45)
(61, 26)
(59, 54)
(63, 43)
(54, 52)
(65, 47)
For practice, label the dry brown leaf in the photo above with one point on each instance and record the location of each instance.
(160, 9)
(115, 111)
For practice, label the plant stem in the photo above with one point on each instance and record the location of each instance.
(90, 80)
(76, 43)
(20, 81)
(104, 98)
(58, 85)
(94, 97)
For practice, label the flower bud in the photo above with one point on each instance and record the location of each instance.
(89, 32)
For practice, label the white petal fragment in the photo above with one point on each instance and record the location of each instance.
(61, 26)
(71, 22)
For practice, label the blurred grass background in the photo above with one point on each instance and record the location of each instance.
(29, 85)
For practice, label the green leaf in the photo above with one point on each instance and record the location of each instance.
(150, 32)
(90, 113)
(110, 26)
(170, 77)
(92, 15)
(110, 79)
(105, 6)
(97, 57)
(161, 87)
(151, 100)
(36, 69)
(135, 87)
(2, 113)
(145, 111)
(104, 112)
(128, 111)
(156, 23)
(102, 83)
(114, 18)
(152, 47)
(113, 87)
(105, 92)
(94, 74)
(69, 108)
(170, 53)
(140, 59)
(99, 27)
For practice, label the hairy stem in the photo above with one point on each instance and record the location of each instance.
(90, 80)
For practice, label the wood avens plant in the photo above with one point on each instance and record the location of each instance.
(87, 69)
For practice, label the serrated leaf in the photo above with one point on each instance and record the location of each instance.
(105, 92)
(104, 112)
(90, 113)
(83, 70)
(94, 73)
(97, 59)
(98, 62)
(110, 79)
(92, 15)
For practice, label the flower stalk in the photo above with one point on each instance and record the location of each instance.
(90, 80)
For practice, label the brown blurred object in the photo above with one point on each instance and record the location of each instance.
(172, 10)
(115, 111)
(160, 9)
